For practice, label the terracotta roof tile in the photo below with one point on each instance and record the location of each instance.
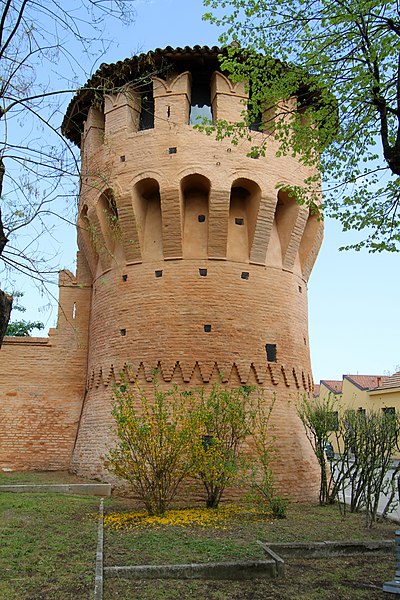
(334, 385)
(389, 381)
(366, 382)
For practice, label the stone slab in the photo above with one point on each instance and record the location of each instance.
(231, 570)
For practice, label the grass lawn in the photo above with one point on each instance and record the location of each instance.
(347, 578)
(40, 477)
(48, 546)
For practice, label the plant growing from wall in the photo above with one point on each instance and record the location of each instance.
(224, 419)
(154, 442)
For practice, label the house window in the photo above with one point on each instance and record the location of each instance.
(333, 420)
(389, 411)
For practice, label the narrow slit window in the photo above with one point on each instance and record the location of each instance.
(122, 158)
(124, 277)
(123, 332)
(271, 352)
(146, 120)
(74, 311)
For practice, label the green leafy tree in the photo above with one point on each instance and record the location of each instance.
(306, 50)
(21, 328)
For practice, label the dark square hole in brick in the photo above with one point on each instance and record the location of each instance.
(171, 150)
(124, 277)
(122, 158)
(245, 275)
(203, 272)
(300, 289)
(123, 332)
(239, 221)
(207, 328)
(158, 273)
(201, 218)
(271, 352)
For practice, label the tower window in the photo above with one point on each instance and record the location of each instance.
(172, 150)
(239, 221)
(124, 277)
(271, 352)
(207, 328)
(203, 272)
(201, 218)
(245, 275)
(158, 273)
(123, 332)
(201, 98)
(146, 120)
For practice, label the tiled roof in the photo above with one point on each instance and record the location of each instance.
(389, 381)
(366, 382)
(111, 77)
(334, 385)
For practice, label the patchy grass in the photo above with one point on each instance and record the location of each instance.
(40, 477)
(48, 546)
(203, 535)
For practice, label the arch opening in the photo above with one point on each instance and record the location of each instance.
(195, 193)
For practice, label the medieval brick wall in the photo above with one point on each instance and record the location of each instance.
(42, 384)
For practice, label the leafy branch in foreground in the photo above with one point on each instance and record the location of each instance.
(303, 52)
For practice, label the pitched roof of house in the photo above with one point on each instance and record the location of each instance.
(332, 384)
(389, 381)
(366, 382)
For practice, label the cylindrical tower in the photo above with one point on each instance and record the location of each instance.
(199, 264)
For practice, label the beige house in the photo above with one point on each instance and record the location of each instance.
(363, 393)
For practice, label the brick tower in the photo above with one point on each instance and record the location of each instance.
(198, 265)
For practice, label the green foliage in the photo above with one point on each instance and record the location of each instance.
(154, 440)
(367, 442)
(349, 49)
(317, 418)
(23, 328)
(225, 418)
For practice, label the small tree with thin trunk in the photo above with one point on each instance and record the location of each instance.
(225, 419)
(319, 417)
(152, 452)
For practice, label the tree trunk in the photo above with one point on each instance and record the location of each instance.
(5, 299)
(5, 310)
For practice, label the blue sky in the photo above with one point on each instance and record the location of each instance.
(354, 320)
